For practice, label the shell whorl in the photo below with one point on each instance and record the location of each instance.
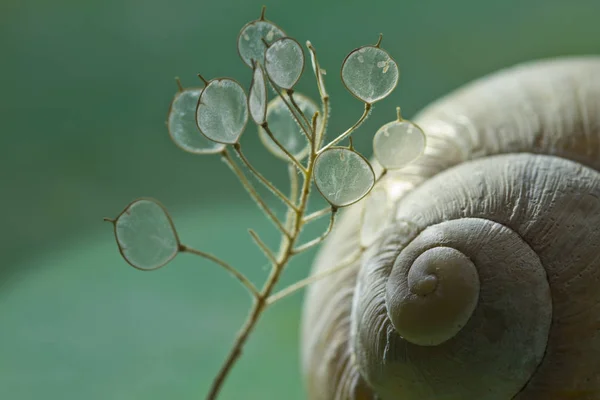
(484, 282)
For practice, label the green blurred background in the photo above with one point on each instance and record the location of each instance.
(84, 91)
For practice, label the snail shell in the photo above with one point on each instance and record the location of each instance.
(480, 269)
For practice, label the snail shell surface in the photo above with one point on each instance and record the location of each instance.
(480, 269)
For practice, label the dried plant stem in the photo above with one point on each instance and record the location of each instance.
(265, 249)
(260, 177)
(317, 70)
(239, 276)
(344, 135)
(305, 128)
(311, 132)
(293, 174)
(236, 351)
(293, 159)
(294, 187)
(319, 239)
(286, 253)
(313, 123)
(381, 175)
(325, 120)
(312, 279)
(316, 214)
(255, 196)
(295, 217)
(323, 93)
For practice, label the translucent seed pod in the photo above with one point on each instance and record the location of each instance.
(222, 111)
(398, 143)
(250, 43)
(370, 73)
(146, 235)
(181, 123)
(284, 62)
(343, 176)
(285, 128)
(257, 96)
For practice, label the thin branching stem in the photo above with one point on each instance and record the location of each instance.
(293, 183)
(289, 221)
(287, 246)
(296, 216)
(267, 129)
(233, 271)
(305, 129)
(341, 137)
(180, 86)
(317, 214)
(262, 13)
(291, 213)
(253, 193)
(236, 350)
(265, 249)
(260, 177)
(326, 112)
(322, 92)
(317, 70)
(319, 239)
(312, 279)
(311, 133)
(313, 123)
(384, 172)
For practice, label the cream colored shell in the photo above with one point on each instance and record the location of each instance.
(480, 279)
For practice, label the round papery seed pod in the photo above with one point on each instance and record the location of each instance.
(343, 176)
(222, 111)
(398, 143)
(370, 73)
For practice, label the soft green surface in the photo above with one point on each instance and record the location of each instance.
(79, 323)
(84, 91)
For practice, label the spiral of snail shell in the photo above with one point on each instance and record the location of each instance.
(479, 272)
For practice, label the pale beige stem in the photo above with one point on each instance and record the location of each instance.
(240, 277)
(253, 193)
(276, 270)
(344, 135)
(311, 279)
